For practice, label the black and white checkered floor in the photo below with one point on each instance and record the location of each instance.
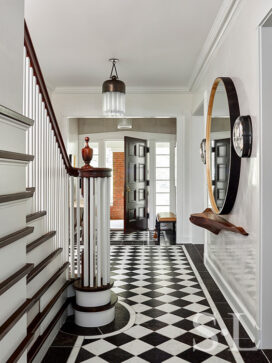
(141, 238)
(176, 319)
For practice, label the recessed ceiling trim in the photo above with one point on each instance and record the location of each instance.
(222, 20)
(130, 90)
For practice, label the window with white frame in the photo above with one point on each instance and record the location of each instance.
(162, 177)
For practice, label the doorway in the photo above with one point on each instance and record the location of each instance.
(115, 160)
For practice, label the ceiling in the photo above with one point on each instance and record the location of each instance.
(157, 41)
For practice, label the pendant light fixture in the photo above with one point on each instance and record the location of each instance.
(124, 124)
(114, 92)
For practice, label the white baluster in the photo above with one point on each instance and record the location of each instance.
(37, 149)
(78, 224)
(108, 227)
(99, 228)
(33, 164)
(72, 235)
(86, 242)
(30, 115)
(103, 218)
(92, 234)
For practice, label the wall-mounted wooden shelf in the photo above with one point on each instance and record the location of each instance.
(214, 223)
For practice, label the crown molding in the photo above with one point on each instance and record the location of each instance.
(222, 20)
(129, 90)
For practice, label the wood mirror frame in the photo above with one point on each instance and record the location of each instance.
(235, 161)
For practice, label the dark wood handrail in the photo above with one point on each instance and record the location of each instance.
(46, 99)
(34, 63)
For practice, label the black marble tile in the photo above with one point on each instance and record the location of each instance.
(83, 355)
(251, 356)
(190, 339)
(225, 310)
(194, 355)
(116, 355)
(231, 327)
(57, 354)
(64, 340)
(154, 313)
(119, 339)
(154, 324)
(155, 355)
(268, 354)
(154, 339)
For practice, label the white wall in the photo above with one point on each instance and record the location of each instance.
(72, 139)
(197, 175)
(11, 53)
(232, 258)
(141, 105)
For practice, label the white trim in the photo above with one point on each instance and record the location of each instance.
(225, 14)
(222, 325)
(129, 90)
(246, 319)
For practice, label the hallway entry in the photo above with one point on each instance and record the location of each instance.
(136, 183)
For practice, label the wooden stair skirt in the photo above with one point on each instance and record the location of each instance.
(94, 306)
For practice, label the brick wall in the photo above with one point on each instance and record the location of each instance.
(117, 210)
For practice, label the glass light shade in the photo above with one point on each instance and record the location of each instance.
(114, 103)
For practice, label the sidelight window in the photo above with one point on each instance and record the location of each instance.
(162, 177)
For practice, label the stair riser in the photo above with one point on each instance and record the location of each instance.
(34, 285)
(12, 257)
(41, 252)
(52, 291)
(12, 216)
(12, 339)
(33, 312)
(30, 208)
(39, 227)
(23, 358)
(15, 132)
(12, 299)
(57, 306)
(12, 176)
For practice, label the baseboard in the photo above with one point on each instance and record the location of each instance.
(247, 320)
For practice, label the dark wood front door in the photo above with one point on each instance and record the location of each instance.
(135, 184)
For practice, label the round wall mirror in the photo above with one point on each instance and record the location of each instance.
(222, 162)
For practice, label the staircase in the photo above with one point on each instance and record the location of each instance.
(44, 246)
(34, 218)
(33, 285)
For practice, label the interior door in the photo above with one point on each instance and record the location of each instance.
(135, 184)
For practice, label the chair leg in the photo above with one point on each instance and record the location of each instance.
(159, 232)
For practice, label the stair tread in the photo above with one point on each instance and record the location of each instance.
(31, 217)
(4, 198)
(15, 236)
(38, 268)
(11, 155)
(7, 112)
(37, 242)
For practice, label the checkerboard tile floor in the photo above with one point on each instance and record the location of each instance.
(174, 321)
(141, 238)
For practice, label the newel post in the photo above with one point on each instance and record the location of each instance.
(95, 302)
